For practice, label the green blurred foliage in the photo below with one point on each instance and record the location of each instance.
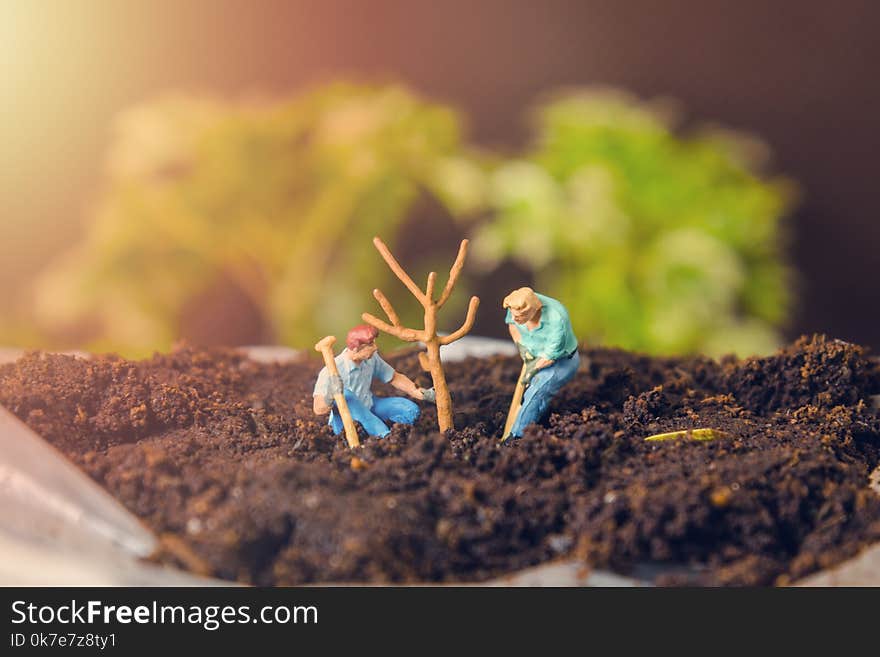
(654, 240)
(280, 198)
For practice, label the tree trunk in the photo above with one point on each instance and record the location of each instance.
(444, 399)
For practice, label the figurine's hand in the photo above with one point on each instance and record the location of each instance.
(542, 363)
(428, 395)
(524, 353)
(336, 387)
(530, 371)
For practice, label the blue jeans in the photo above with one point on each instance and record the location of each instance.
(385, 409)
(544, 385)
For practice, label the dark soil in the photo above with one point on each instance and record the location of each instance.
(223, 458)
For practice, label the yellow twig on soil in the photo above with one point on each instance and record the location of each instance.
(691, 434)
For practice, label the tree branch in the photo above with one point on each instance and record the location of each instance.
(429, 289)
(453, 273)
(387, 307)
(405, 334)
(468, 323)
(399, 272)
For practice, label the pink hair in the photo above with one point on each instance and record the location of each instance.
(360, 335)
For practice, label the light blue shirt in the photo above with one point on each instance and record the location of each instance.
(553, 338)
(356, 377)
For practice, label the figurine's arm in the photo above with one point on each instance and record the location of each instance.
(514, 332)
(555, 344)
(406, 385)
(326, 386)
(525, 353)
(541, 363)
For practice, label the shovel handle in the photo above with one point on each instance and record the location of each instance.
(515, 404)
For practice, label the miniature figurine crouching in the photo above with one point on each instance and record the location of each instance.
(358, 365)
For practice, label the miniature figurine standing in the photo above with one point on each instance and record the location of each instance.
(541, 329)
(358, 364)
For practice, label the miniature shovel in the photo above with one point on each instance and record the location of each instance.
(515, 404)
(325, 346)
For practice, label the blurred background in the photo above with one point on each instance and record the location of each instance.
(684, 175)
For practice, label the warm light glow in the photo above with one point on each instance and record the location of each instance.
(57, 73)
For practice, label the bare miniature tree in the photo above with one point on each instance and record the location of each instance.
(429, 360)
